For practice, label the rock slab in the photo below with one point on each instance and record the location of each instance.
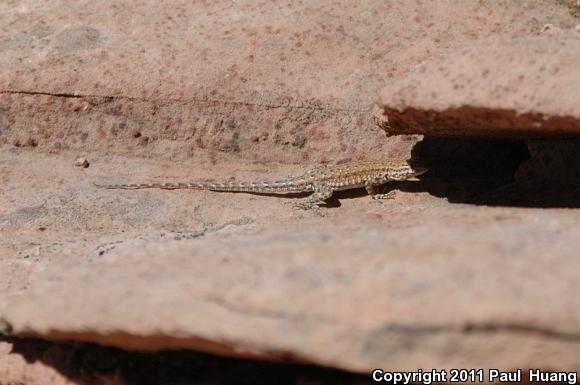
(503, 87)
(387, 288)
(149, 90)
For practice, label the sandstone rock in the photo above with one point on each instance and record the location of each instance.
(82, 162)
(505, 86)
(386, 287)
(225, 90)
(203, 80)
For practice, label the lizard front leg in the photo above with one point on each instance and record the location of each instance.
(375, 190)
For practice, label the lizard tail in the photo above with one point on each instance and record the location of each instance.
(264, 187)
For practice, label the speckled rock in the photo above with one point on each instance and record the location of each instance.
(293, 83)
(387, 286)
(175, 90)
(505, 86)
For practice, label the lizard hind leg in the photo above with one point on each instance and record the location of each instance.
(321, 193)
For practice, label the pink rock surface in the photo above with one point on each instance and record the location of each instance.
(175, 91)
(292, 83)
(505, 86)
(388, 286)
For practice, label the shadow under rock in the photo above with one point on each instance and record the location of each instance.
(86, 363)
(534, 173)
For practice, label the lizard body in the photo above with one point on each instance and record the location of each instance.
(321, 181)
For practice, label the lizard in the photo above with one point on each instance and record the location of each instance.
(321, 181)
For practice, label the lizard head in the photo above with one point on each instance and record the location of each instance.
(407, 171)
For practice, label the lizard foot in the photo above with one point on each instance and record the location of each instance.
(311, 207)
(389, 195)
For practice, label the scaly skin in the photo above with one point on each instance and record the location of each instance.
(321, 181)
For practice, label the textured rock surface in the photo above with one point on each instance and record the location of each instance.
(360, 288)
(179, 91)
(288, 83)
(504, 86)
